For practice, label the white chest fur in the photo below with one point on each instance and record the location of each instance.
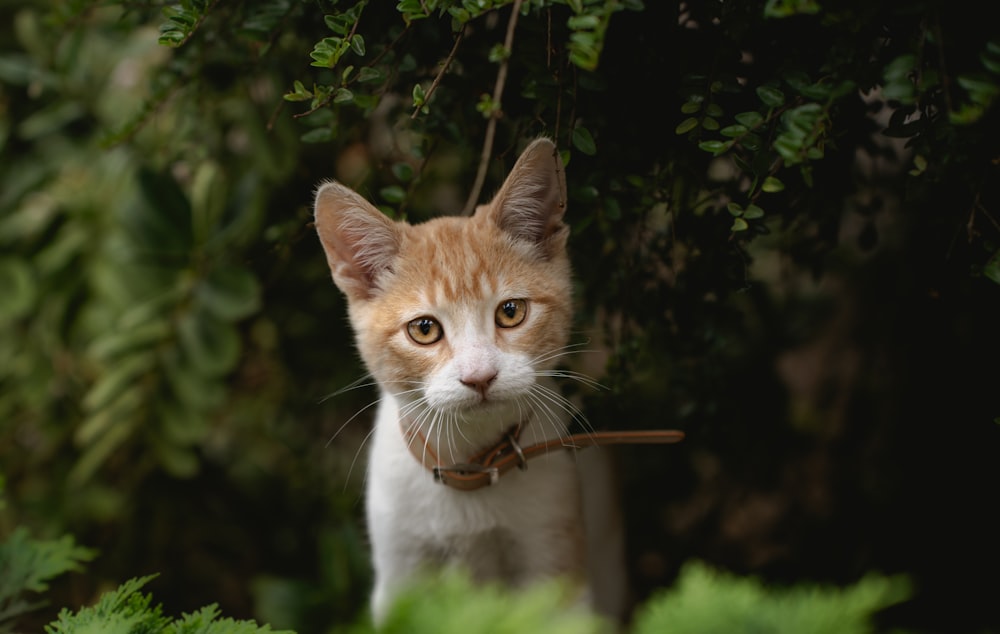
(526, 527)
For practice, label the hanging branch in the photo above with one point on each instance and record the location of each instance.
(484, 159)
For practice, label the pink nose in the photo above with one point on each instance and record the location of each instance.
(479, 381)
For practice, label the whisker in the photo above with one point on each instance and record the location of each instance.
(348, 422)
(360, 382)
(558, 400)
(560, 352)
(574, 376)
(357, 454)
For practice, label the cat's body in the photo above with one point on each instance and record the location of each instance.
(460, 321)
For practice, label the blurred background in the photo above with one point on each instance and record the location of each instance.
(786, 238)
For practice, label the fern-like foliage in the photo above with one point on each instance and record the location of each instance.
(27, 565)
(127, 610)
(707, 600)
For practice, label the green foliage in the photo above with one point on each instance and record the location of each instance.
(455, 603)
(168, 329)
(27, 565)
(706, 600)
(126, 610)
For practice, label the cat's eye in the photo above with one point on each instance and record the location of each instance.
(424, 330)
(511, 312)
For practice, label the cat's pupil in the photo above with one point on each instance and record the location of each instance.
(424, 326)
(510, 309)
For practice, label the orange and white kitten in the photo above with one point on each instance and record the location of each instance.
(461, 320)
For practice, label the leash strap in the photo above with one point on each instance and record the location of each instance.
(485, 468)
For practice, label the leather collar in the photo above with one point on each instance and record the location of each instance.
(485, 467)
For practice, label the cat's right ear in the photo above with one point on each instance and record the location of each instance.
(360, 242)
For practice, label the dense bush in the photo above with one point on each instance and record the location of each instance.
(785, 234)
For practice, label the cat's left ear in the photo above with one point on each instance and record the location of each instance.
(532, 200)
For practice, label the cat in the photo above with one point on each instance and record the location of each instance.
(461, 321)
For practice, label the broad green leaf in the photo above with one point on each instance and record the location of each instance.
(733, 130)
(126, 406)
(583, 141)
(752, 212)
(403, 171)
(992, 268)
(343, 95)
(772, 97)
(318, 135)
(772, 184)
(358, 45)
(750, 119)
(119, 341)
(229, 292)
(393, 194)
(368, 73)
(691, 107)
(715, 147)
(121, 375)
(739, 224)
(210, 345)
(686, 125)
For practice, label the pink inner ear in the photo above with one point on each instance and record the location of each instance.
(360, 242)
(531, 201)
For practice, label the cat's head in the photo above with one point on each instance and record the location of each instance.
(458, 315)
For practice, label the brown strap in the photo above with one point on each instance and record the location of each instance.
(485, 468)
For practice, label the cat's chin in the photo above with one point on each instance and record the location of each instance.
(500, 411)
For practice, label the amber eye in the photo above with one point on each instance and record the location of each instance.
(511, 312)
(424, 330)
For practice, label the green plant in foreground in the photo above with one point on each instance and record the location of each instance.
(126, 610)
(706, 600)
(27, 565)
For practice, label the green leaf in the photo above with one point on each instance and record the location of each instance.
(583, 141)
(750, 119)
(393, 194)
(368, 73)
(772, 184)
(319, 135)
(992, 268)
(358, 45)
(733, 130)
(739, 224)
(402, 171)
(211, 345)
(230, 293)
(714, 146)
(691, 107)
(419, 96)
(686, 125)
(753, 212)
(772, 97)
(735, 209)
(343, 95)
(117, 378)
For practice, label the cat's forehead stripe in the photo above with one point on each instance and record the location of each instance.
(455, 266)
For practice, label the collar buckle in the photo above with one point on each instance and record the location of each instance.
(465, 472)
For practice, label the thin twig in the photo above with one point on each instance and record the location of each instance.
(484, 159)
(444, 69)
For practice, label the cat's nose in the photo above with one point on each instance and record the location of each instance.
(479, 381)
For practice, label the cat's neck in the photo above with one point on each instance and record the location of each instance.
(469, 432)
